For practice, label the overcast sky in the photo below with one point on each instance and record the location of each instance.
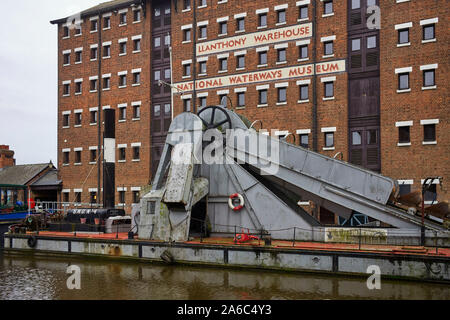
(28, 77)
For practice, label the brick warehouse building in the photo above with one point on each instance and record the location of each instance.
(376, 97)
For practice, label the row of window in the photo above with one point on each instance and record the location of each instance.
(429, 132)
(106, 82)
(281, 11)
(263, 93)
(93, 115)
(122, 154)
(428, 32)
(303, 55)
(135, 192)
(106, 50)
(428, 78)
(106, 22)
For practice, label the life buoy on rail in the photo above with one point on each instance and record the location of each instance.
(241, 202)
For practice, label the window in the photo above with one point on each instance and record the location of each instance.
(262, 97)
(106, 83)
(187, 105)
(202, 102)
(136, 112)
(201, 3)
(123, 18)
(65, 197)
(223, 64)
(428, 78)
(157, 43)
(122, 114)
(122, 81)
(328, 48)
(77, 197)
(66, 89)
(123, 48)
(262, 20)
(66, 32)
(403, 81)
(240, 62)
(403, 36)
(241, 99)
(356, 44)
(78, 118)
(187, 70)
(281, 55)
(404, 189)
(202, 32)
(428, 32)
(303, 52)
(327, 7)
(66, 122)
(202, 67)
(329, 139)
(66, 59)
(78, 56)
(93, 197)
(240, 24)
(137, 15)
(106, 51)
(93, 85)
(66, 157)
(122, 197)
(404, 134)
(329, 89)
(106, 22)
(93, 156)
(371, 42)
(304, 141)
(223, 28)
(93, 53)
(281, 16)
(187, 35)
(186, 4)
(429, 133)
(78, 30)
(303, 12)
(78, 87)
(282, 95)
(136, 78)
(431, 194)
(137, 45)
(223, 100)
(262, 57)
(122, 154)
(136, 153)
(93, 117)
(356, 4)
(136, 197)
(304, 92)
(94, 25)
(77, 157)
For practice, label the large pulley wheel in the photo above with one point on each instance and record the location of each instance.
(215, 117)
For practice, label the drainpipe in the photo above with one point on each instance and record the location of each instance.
(194, 54)
(314, 108)
(99, 114)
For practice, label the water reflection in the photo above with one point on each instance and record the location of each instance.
(28, 278)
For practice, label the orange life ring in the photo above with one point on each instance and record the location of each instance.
(241, 202)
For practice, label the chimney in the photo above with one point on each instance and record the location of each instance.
(6, 157)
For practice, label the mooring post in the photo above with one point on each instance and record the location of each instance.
(293, 242)
(359, 238)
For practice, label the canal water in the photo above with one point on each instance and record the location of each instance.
(30, 278)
